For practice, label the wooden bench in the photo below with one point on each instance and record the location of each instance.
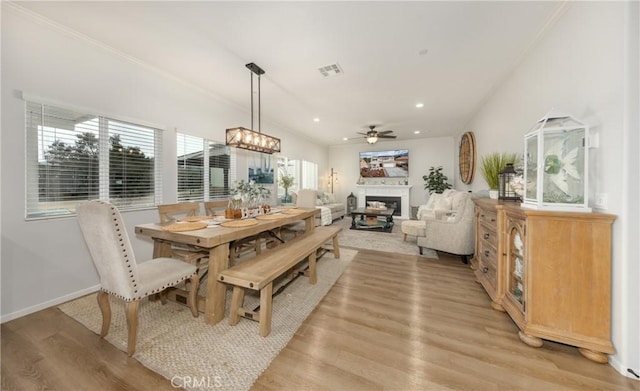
(259, 272)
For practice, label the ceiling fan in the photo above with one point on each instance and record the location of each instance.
(373, 135)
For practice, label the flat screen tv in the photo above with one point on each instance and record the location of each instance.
(384, 164)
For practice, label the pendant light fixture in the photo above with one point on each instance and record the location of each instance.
(249, 139)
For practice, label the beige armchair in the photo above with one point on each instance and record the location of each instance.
(120, 275)
(449, 227)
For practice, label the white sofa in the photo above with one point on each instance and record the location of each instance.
(445, 223)
(326, 200)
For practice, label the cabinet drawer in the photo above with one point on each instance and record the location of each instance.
(487, 234)
(488, 270)
(488, 217)
(488, 253)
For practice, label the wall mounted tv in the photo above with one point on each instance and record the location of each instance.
(384, 164)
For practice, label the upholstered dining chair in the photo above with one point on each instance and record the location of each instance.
(120, 275)
(305, 198)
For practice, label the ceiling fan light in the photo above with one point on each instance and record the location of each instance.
(372, 140)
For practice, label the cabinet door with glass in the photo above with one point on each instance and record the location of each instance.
(515, 268)
(515, 261)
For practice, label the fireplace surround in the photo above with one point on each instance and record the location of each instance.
(376, 191)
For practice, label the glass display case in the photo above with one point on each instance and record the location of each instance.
(556, 164)
(515, 262)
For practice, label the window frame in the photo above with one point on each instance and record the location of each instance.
(34, 156)
(206, 146)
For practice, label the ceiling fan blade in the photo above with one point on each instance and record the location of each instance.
(364, 134)
(385, 132)
(386, 136)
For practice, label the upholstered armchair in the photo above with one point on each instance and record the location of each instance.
(445, 223)
(120, 275)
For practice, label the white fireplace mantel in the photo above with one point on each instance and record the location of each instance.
(401, 191)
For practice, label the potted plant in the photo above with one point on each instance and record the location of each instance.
(436, 181)
(286, 181)
(490, 167)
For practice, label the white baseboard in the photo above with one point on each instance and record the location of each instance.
(47, 304)
(621, 368)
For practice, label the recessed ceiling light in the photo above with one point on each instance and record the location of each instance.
(345, 138)
(419, 105)
(416, 132)
(316, 119)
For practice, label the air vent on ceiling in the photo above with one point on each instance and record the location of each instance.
(331, 70)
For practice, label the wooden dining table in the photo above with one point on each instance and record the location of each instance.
(217, 240)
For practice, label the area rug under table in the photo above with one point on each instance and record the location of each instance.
(390, 242)
(195, 355)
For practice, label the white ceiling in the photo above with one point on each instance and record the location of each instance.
(470, 48)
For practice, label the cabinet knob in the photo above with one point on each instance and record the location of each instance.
(485, 269)
(493, 220)
(486, 236)
(486, 253)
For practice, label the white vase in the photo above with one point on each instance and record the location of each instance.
(493, 194)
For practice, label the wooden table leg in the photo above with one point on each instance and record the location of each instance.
(216, 290)
(161, 249)
(309, 224)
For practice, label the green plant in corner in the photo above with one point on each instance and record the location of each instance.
(493, 163)
(436, 181)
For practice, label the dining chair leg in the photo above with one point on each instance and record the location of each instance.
(192, 300)
(163, 297)
(105, 308)
(132, 325)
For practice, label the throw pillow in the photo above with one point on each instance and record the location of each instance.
(432, 200)
(331, 198)
(443, 203)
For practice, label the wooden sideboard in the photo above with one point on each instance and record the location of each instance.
(550, 271)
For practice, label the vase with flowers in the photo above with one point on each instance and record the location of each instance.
(287, 181)
(246, 199)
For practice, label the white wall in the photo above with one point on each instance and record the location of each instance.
(423, 153)
(46, 262)
(584, 66)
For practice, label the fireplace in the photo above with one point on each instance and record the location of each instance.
(392, 191)
(391, 202)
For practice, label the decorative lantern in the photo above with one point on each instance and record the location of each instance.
(352, 203)
(505, 191)
(556, 164)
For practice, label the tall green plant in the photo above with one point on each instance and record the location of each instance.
(436, 181)
(492, 164)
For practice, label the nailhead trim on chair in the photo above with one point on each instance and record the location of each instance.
(129, 299)
(116, 225)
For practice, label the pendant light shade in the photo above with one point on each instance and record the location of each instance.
(249, 139)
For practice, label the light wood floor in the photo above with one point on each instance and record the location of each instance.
(389, 323)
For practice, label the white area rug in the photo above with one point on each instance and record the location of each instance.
(390, 242)
(198, 356)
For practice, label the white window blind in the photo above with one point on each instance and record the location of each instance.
(74, 156)
(190, 168)
(201, 162)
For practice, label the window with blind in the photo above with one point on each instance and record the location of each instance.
(74, 156)
(205, 169)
